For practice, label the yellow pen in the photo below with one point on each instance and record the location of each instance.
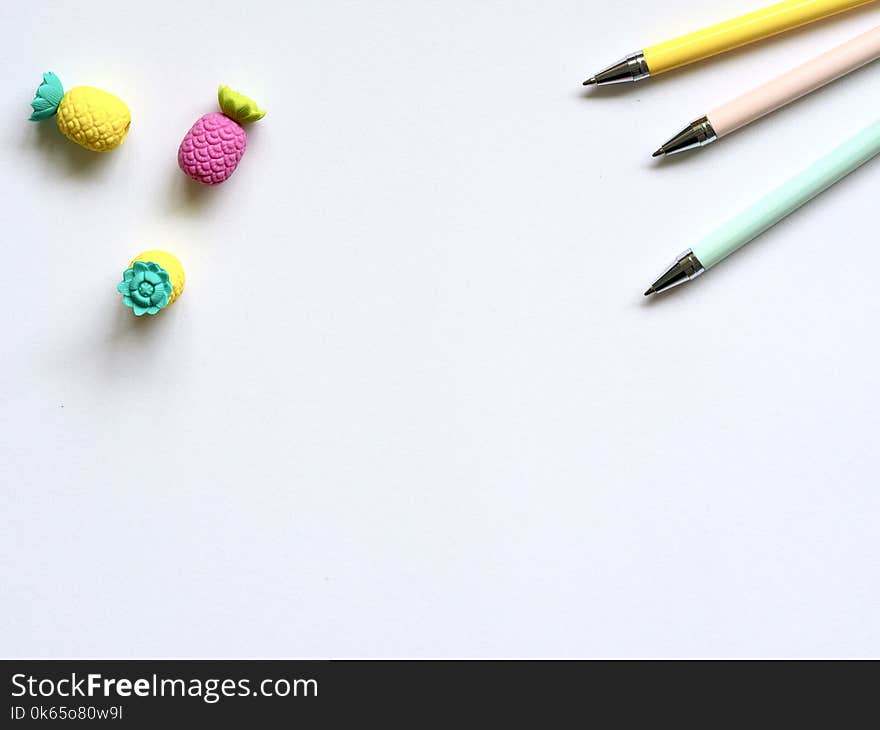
(719, 38)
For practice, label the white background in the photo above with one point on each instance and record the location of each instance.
(412, 402)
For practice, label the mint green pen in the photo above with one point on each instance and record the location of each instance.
(783, 201)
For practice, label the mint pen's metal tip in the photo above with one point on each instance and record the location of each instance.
(591, 81)
(660, 151)
(686, 267)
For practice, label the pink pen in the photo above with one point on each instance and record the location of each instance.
(775, 94)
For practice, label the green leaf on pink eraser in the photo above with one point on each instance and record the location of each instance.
(239, 107)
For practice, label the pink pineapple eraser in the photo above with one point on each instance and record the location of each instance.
(211, 150)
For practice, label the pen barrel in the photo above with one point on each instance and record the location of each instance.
(790, 196)
(741, 31)
(796, 83)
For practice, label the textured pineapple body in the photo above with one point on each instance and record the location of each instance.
(171, 264)
(93, 118)
(211, 150)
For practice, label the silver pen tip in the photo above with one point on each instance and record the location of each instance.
(650, 291)
(660, 151)
(590, 81)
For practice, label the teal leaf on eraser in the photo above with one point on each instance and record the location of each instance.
(145, 287)
(48, 96)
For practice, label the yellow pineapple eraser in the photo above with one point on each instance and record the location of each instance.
(92, 118)
(152, 281)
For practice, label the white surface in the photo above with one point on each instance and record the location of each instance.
(412, 402)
